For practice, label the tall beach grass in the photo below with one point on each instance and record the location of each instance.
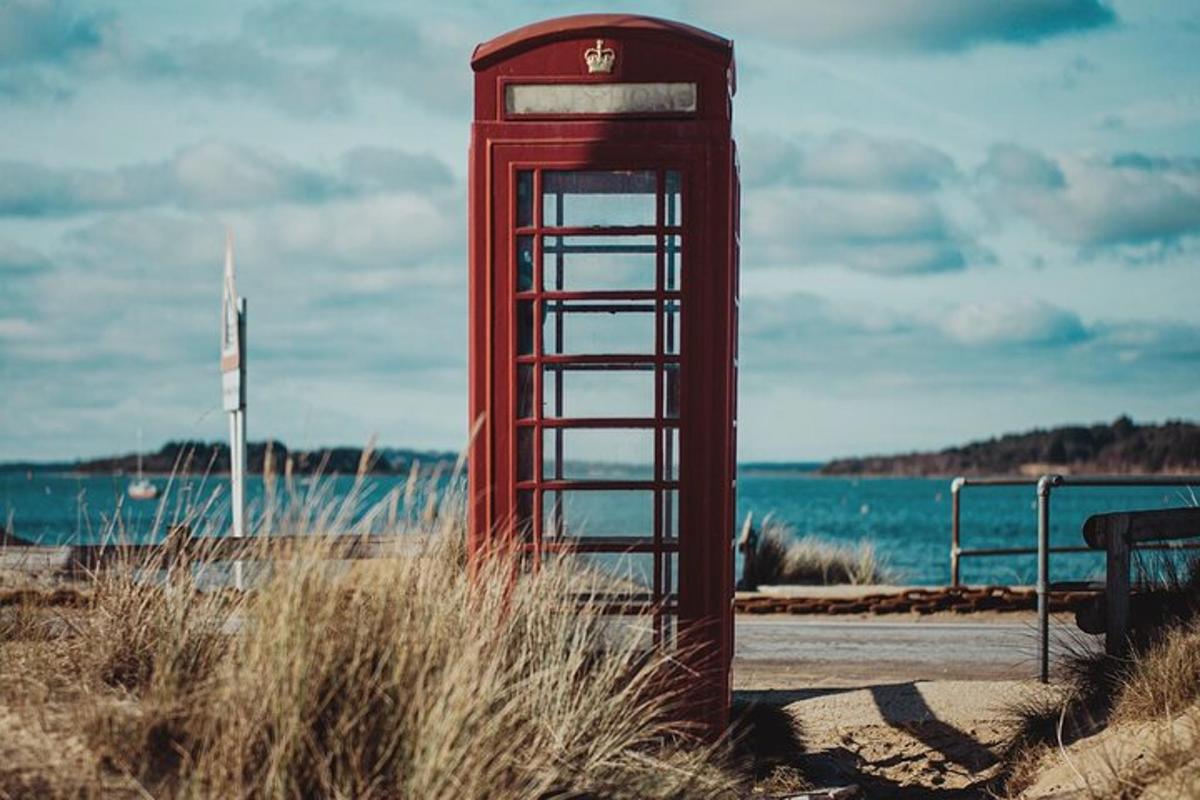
(1143, 708)
(400, 677)
(783, 558)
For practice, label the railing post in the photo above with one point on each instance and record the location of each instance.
(1044, 485)
(1116, 586)
(956, 486)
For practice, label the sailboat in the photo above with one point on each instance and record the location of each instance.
(141, 488)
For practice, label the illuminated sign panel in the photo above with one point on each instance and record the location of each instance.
(599, 98)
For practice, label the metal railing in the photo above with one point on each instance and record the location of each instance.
(1044, 486)
(957, 552)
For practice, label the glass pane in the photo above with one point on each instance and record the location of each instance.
(586, 199)
(524, 391)
(588, 263)
(599, 454)
(672, 326)
(525, 516)
(524, 263)
(581, 327)
(524, 199)
(629, 574)
(670, 564)
(672, 263)
(628, 632)
(671, 391)
(670, 512)
(669, 632)
(598, 390)
(674, 198)
(616, 512)
(524, 327)
(525, 437)
(670, 454)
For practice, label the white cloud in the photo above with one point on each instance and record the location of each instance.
(33, 31)
(935, 25)
(847, 159)
(421, 57)
(17, 260)
(1019, 166)
(212, 175)
(1091, 201)
(1025, 321)
(15, 328)
(867, 203)
(886, 233)
(241, 66)
(304, 58)
(395, 229)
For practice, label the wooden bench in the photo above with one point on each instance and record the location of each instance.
(1118, 534)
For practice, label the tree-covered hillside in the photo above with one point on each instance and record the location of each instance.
(1122, 447)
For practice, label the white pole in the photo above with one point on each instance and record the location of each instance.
(237, 476)
(233, 390)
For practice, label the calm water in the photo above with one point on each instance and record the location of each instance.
(908, 520)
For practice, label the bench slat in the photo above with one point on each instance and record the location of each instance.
(1142, 526)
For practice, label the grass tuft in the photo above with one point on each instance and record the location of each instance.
(1153, 694)
(400, 677)
(1164, 677)
(781, 558)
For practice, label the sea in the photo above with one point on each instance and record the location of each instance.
(906, 520)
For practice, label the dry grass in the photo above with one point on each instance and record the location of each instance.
(781, 558)
(1165, 677)
(1151, 697)
(1160, 699)
(397, 678)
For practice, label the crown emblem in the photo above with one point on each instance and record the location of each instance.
(599, 58)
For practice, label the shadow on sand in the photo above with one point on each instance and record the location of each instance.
(771, 742)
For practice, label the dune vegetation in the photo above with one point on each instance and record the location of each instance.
(399, 677)
(782, 557)
(1125, 727)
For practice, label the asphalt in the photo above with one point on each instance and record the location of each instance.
(789, 653)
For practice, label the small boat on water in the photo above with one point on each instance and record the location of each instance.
(142, 488)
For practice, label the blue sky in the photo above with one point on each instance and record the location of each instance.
(959, 218)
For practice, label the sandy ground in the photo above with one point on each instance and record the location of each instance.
(914, 708)
(1089, 767)
(906, 739)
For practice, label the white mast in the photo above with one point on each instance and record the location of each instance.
(233, 390)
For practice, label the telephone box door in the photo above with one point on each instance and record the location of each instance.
(602, 269)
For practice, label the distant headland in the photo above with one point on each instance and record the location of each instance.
(1120, 448)
(213, 457)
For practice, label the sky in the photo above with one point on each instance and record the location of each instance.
(959, 219)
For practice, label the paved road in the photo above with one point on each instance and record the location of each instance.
(782, 652)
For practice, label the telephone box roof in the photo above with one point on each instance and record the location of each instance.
(552, 30)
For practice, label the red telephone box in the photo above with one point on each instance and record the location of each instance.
(603, 315)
